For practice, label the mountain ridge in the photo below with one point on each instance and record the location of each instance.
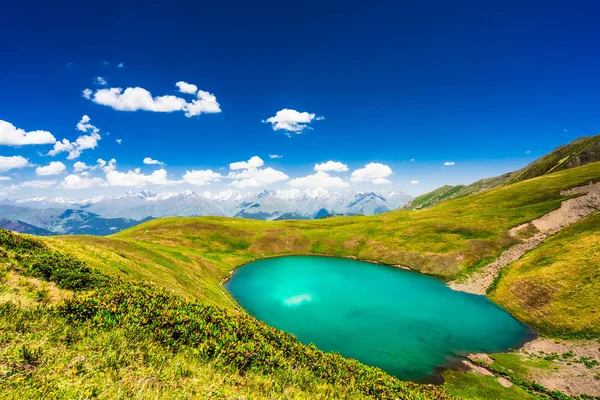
(581, 151)
(264, 205)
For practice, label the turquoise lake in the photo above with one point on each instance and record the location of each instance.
(406, 323)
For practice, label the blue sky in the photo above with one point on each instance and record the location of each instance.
(489, 86)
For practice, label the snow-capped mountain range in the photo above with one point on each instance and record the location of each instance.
(266, 205)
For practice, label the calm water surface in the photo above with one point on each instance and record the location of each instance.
(403, 322)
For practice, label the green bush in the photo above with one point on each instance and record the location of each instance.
(36, 259)
(237, 339)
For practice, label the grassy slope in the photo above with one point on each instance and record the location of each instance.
(579, 152)
(556, 286)
(192, 255)
(43, 356)
(574, 154)
(68, 331)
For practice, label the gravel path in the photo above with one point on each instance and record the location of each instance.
(569, 212)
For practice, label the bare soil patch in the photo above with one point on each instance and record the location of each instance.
(569, 212)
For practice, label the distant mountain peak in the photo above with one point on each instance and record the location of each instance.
(266, 204)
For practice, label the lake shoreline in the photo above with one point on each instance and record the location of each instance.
(240, 292)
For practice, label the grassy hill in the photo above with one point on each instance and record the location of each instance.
(579, 152)
(96, 308)
(69, 331)
(193, 255)
(555, 287)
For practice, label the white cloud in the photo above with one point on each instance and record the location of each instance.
(201, 177)
(414, 182)
(381, 181)
(84, 125)
(8, 163)
(80, 166)
(254, 162)
(375, 173)
(54, 168)
(13, 136)
(5, 178)
(120, 65)
(137, 178)
(206, 103)
(255, 177)
(150, 161)
(59, 147)
(331, 166)
(80, 182)
(252, 175)
(291, 120)
(83, 142)
(137, 98)
(319, 180)
(185, 87)
(119, 141)
(100, 81)
(275, 156)
(449, 163)
(107, 167)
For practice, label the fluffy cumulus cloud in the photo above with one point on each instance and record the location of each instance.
(319, 180)
(275, 156)
(331, 166)
(205, 104)
(13, 162)
(10, 135)
(375, 173)
(150, 161)
(83, 142)
(84, 125)
(136, 178)
(80, 182)
(107, 166)
(137, 98)
(201, 177)
(254, 162)
(449, 163)
(54, 168)
(291, 120)
(80, 166)
(4, 178)
(250, 174)
(187, 88)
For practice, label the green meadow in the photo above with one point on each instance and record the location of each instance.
(143, 313)
(192, 256)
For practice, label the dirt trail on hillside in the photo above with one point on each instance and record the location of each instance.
(569, 212)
